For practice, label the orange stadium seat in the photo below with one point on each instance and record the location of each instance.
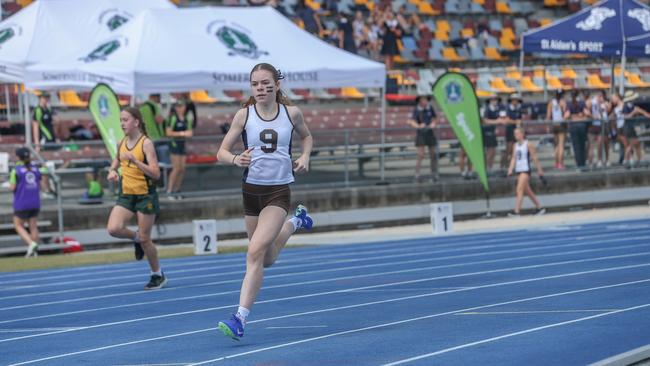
(201, 97)
(594, 81)
(507, 44)
(555, 83)
(503, 7)
(635, 80)
(500, 85)
(569, 73)
(553, 3)
(512, 73)
(493, 54)
(352, 93)
(528, 85)
(70, 98)
(449, 53)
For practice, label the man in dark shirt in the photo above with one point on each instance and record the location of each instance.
(425, 121)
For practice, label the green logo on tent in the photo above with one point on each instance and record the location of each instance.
(116, 21)
(238, 42)
(103, 51)
(6, 34)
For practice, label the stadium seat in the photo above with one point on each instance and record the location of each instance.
(635, 80)
(569, 73)
(492, 54)
(201, 97)
(528, 85)
(449, 53)
(352, 93)
(500, 85)
(322, 94)
(70, 99)
(467, 32)
(503, 7)
(507, 43)
(513, 73)
(554, 3)
(555, 83)
(545, 21)
(509, 33)
(220, 96)
(594, 81)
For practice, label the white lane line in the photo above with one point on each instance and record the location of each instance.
(334, 309)
(129, 321)
(514, 334)
(401, 322)
(338, 270)
(295, 284)
(409, 252)
(403, 246)
(299, 327)
(538, 312)
(32, 330)
(315, 281)
(527, 247)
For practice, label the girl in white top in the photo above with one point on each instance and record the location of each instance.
(265, 124)
(520, 163)
(557, 112)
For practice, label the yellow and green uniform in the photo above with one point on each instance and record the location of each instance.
(137, 192)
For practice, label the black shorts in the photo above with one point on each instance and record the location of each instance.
(510, 133)
(595, 130)
(177, 147)
(27, 214)
(489, 139)
(520, 173)
(630, 131)
(425, 138)
(256, 197)
(560, 128)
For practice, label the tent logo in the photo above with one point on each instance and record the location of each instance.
(595, 19)
(9, 32)
(105, 49)
(452, 91)
(236, 39)
(642, 15)
(114, 18)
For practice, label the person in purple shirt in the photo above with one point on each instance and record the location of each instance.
(24, 181)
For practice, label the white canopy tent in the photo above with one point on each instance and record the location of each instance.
(49, 29)
(205, 48)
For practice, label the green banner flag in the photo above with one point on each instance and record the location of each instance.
(455, 95)
(148, 112)
(105, 108)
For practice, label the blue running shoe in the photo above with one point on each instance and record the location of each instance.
(232, 327)
(306, 221)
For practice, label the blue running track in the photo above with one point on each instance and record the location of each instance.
(564, 295)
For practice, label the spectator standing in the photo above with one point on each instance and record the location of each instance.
(493, 114)
(179, 127)
(424, 120)
(557, 112)
(514, 113)
(578, 129)
(309, 18)
(630, 110)
(391, 32)
(346, 34)
(24, 181)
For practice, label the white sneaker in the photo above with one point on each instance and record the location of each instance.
(32, 250)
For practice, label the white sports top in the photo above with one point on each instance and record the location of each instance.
(556, 111)
(522, 159)
(271, 157)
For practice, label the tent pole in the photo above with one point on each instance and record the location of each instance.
(28, 120)
(612, 87)
(7, 102)
(621, 85)
(521, 65)
(382, 157)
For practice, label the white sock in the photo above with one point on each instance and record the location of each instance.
(136, 237)
(296, 222)
(158, 273)
(242, 314)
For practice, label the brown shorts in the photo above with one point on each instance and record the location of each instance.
(256, 197)
(560, 128)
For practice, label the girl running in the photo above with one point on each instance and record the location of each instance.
(137, 195)
(265, 124)
(520, 164)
